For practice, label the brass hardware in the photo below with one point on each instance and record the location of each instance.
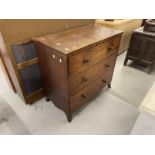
(84, 79)
(86, 61)
(104, 81)
(106, 65)
(83, 96)
(110, 48)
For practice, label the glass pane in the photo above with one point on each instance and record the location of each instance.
(18, 53)
(24, 52)
(31, 78)
(36, 78)
(26, 79)
(30, 52)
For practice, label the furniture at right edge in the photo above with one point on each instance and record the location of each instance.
(126, 25)
(142, 48)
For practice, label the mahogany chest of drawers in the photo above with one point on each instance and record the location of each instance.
(76, 64)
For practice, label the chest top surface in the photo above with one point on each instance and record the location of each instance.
(75, 39)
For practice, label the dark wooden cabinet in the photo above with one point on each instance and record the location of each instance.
(142, 48)
(76, 64)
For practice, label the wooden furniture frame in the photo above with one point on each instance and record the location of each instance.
(76, 64)
(126, 25)
(142, 48)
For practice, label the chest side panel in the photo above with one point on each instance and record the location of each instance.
(53, 67)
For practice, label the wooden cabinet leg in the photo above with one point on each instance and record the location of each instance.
(47, 99)
(109, 85)
(125, 61)
(69, 117)
(150, 69)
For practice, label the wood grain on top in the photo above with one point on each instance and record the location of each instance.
(77, 38)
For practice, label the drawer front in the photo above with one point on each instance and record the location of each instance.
(103, 70)
(76, 83)
(82, 61)
(86, 94)
(106, 68)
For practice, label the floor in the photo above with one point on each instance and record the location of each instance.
(114, 111)
(148, 104)
(145, 125)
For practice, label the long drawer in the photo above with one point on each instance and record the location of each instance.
(86, 94)
(106, 68)
(103, 70)
(82, 61)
